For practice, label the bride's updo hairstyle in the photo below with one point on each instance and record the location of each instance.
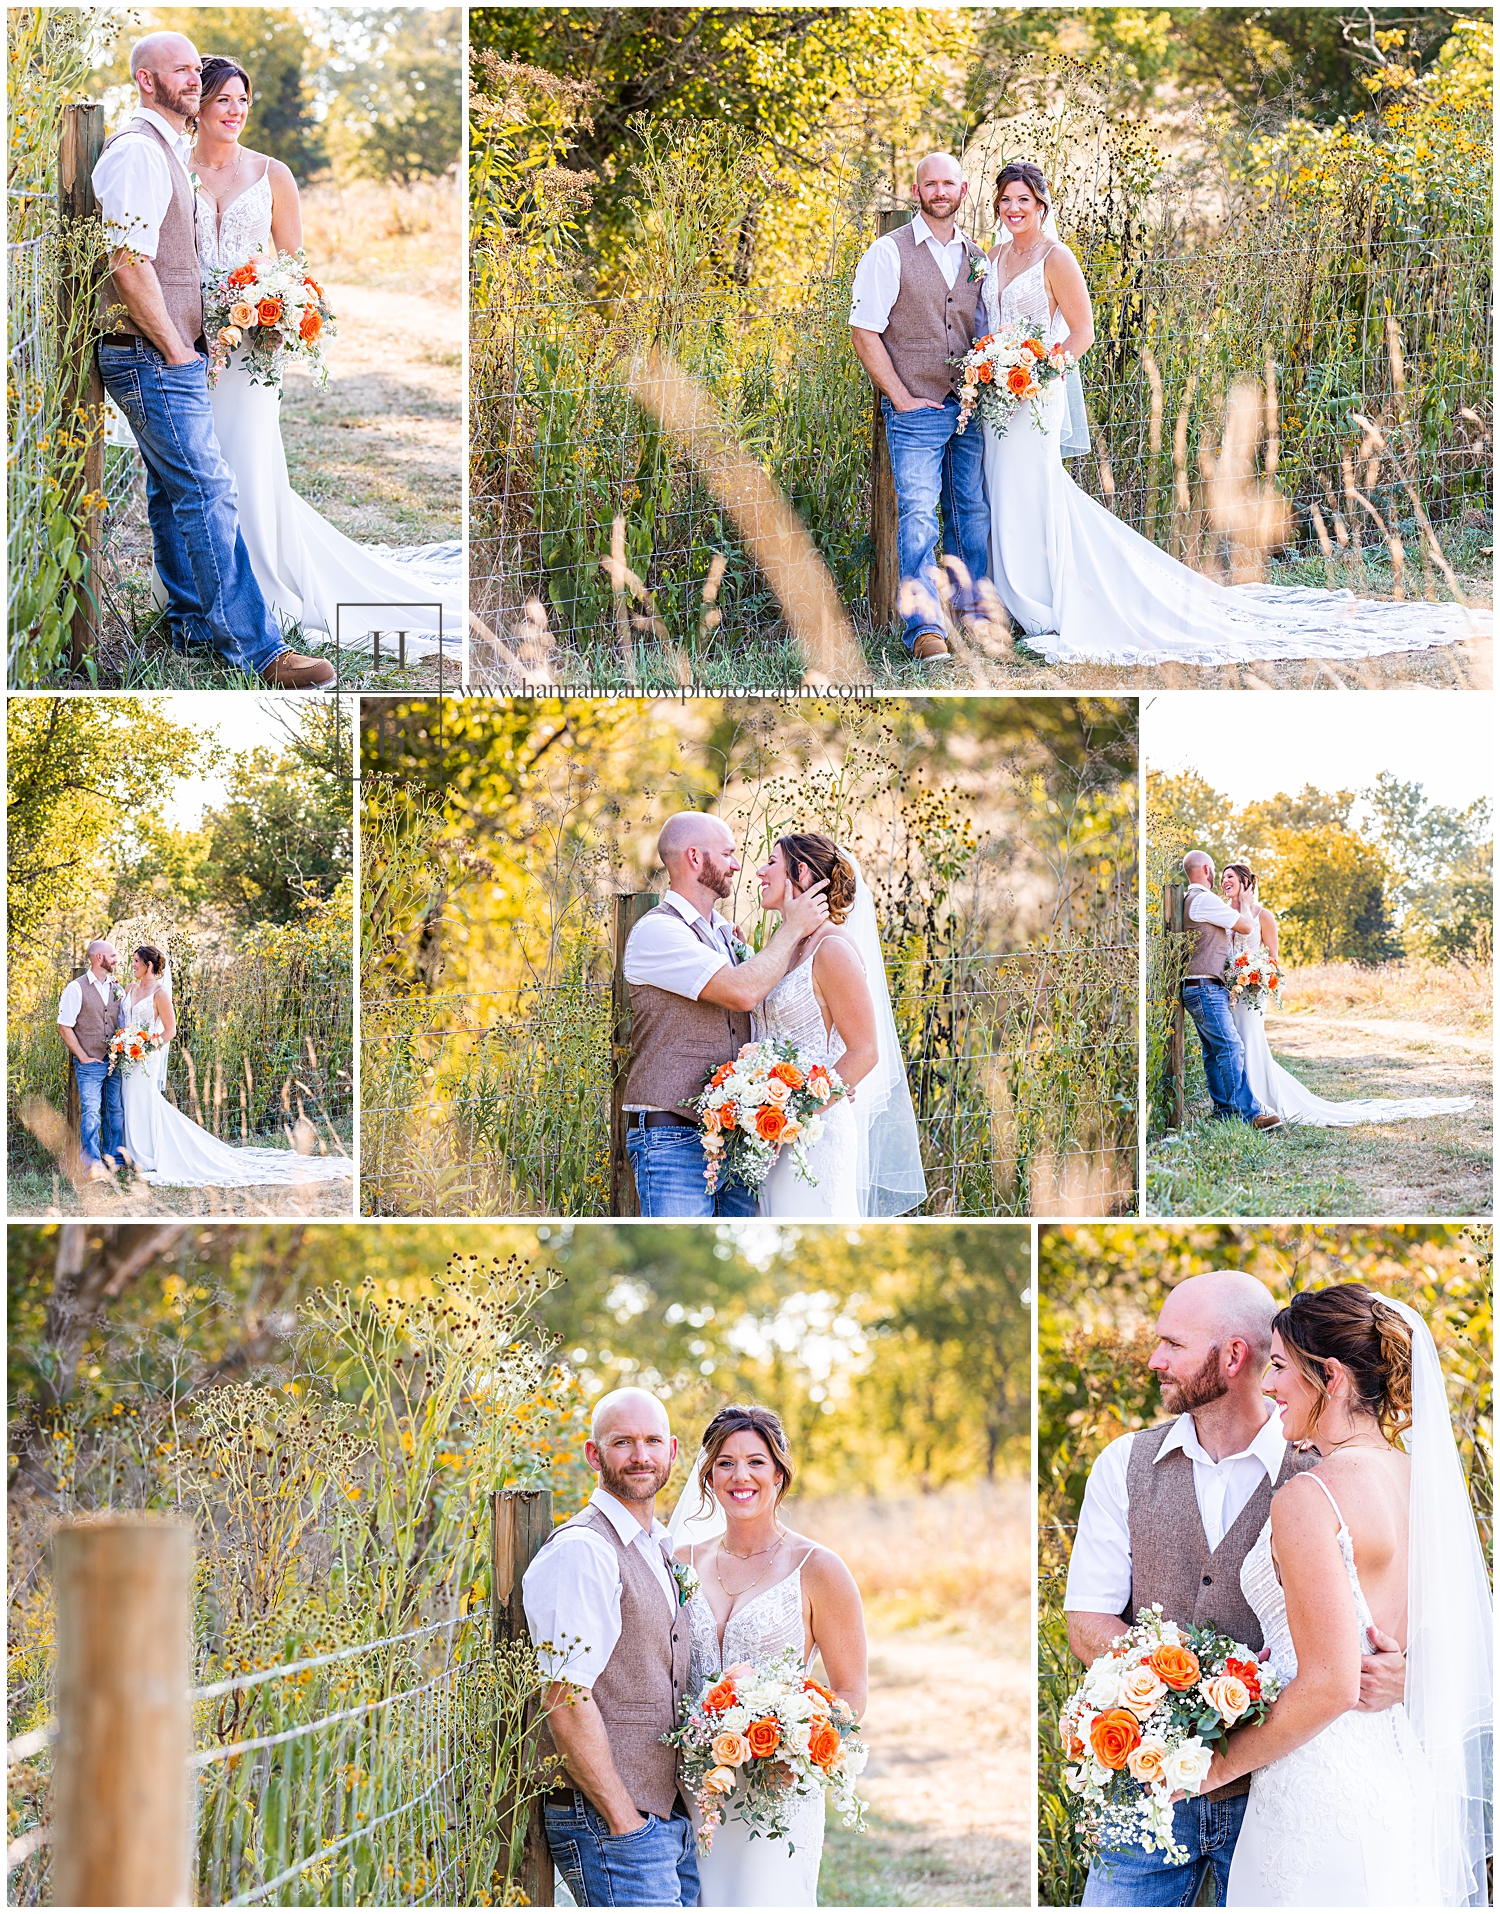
(739, 1418)
(155, 960)
(811, 851)
(1246, 876)
(1029, 176)
(1347, 1324)
(217, 73)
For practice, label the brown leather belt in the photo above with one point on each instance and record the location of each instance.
(653, 1120)
(140, 339)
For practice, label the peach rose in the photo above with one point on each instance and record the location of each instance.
(719, 1781)
(1113, 1737)
(731, 1750)
(764, 1737)
(1141, 1689)
(1177, 1666)
(1229, 1695)
(777, 1091)
(242, 313)
(1145, 1762)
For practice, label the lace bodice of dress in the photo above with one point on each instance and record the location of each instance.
(1266, 1596)
(245, 231)
(1024, 300)
(767, 1625)
(142, 1015)
(790, 1014)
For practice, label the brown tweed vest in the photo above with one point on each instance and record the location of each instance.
(97, 1022)
(675, 1042)
(639, 1691)
(930, 324)
(176, 259)
(1210, 952)
(1170, 1560)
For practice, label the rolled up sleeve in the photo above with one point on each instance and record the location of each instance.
(134, 186)
(877, 281)
(663, 951)
(571, 1595)
(1099, 1567)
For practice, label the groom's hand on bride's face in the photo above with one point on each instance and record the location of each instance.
(806, 912)
(1382, 1676)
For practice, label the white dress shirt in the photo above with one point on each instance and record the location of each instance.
(877, 277)
(571, 1592)
(133, 181)
(1099, 1568)
(663, 950)
(1207, 907)
(71, 1002)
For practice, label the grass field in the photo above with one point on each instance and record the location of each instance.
(379, 451)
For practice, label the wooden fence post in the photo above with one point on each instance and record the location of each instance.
(885, 563)
(522, 1521)
(630, 907)
(83, 389)
(122, 1815)
(1172, 908)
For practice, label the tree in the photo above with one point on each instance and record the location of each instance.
(77, 767)
(1441, 858)
(285, 838)
(274, 47)
(1331, 888)
(398, 85)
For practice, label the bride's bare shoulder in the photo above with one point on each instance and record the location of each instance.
(825, 1572)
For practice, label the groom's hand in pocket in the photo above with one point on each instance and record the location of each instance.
(1382, 1676)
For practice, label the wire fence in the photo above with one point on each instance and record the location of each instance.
(1021, 1068)
(377, 1775)
(31, 351)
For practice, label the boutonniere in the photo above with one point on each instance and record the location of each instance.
(738, 944)
(195, 181)
(116, 990)
(979, 270)
(686, 1578)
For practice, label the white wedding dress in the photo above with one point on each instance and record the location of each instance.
(168, 1148)
(303, 565)
(1279, 1092)
(1346, 1819)
(1085, 588)
(738, 1871)
(790, 1014)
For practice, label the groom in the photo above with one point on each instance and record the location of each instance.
(1205, 995)
(693, 983)
(605, 1611)
(917, 304)
(155, 368)
(88, 1015)
(1169, 1515)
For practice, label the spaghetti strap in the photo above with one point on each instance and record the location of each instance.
(1313, 1475)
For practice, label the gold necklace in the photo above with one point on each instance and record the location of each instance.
(734, 1594)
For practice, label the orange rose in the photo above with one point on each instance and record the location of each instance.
(719, 1075)
(727, 1115)
(1178, 1667)
(823, 1744)
(242, 276)
(986, 375)
(769, 1123)
(268, 312)
(787, 1073)
(1018, 379)
(1036, 346)
(312, 286)
(817, 1688)
(1115, 1735)
(764, 1737)
(1248, 1672)
(311, 327)
(718, 1699)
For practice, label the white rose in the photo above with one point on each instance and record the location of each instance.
(1102, 1683)
(812, 1129)
(1187, 1767)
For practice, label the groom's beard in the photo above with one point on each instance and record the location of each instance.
(185, 100)
(717, 879)
(1206, 1385)
(631, 1485)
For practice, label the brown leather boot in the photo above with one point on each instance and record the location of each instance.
(929, 645)
(292, 672)
(1265, 1121)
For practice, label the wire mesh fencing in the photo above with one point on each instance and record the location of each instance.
(1022, 1071)
(31, 349)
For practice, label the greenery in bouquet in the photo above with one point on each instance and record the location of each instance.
(1253, 978)
(272, 309)
(768, 1099)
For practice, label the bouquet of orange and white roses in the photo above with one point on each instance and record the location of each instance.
(1145, 1721)
(272, 308)
(133, 1048)
(1005, 369)
(757, 1739)
(767, 1100)
(1253, 978)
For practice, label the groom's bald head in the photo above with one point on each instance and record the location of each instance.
(695, 847)
(1199, 867)
(167, 72)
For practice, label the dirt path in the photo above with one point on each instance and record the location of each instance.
(950, 1779)
(1418, 1033)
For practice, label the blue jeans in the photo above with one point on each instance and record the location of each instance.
(193, 506)
(933, 467)
(657, 1866)
(1223, 1051)
(100, 1107)
(1207, 1829)
(667, 1163)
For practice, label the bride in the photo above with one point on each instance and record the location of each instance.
(162, 1144)
(1352, 1809)
(763, 1589)
(1275, 1089)
(247, 204)
(834, 1003)
(1080, 583)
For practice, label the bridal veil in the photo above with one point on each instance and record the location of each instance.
(1449, 1632)
(890, 1176)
